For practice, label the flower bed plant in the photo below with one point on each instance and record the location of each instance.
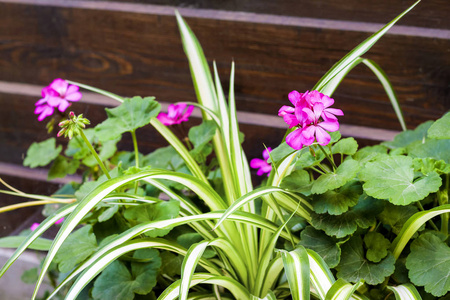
(331, 221)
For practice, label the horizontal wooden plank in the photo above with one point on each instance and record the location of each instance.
(140, 53)
(428, 14)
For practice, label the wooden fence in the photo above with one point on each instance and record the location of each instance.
(133, 48)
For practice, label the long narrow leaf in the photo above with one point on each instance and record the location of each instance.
(193, 255)
(342, 290)
(413, 224)
(296, 266)
(358, 51)
(46, 224)
(99, 91)
(16, 241)
(405, 292)
(382, 76)
(238, 291)
(321, 278)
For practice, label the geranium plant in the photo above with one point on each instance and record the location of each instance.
(331, 221)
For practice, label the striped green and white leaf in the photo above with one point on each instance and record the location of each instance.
(405, 292)
(296, 266)
(342, 290)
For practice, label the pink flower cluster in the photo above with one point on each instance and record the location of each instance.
(176, 114)
(261, 164)
(312, 116)
(58, 94)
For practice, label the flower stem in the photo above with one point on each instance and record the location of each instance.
(136, 150)
(136, 156)
(99, 161)
(330, 159)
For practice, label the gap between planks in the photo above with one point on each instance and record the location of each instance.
(250, 118)
(240, 17)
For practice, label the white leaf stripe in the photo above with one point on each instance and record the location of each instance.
(405, 292)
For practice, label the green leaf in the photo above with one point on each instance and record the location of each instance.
(188, 239)
(407, 137)
(392, 178)
(370, 153)
(362, 215)
(338, 201)
(396, 216)
(306, 159)
(62, 166)
(377, 246)
(41, 154)
(30, 276)
(296, 266)
(405, 292)
(354, 266)
(280, 152)
(330, 181)
(298, 181)
(116, 282)
(171, 263)
(202, 134)
(15, 242)
(108, 213)
(347, 146)
(161, 158)
(321, 243)
(429, 264)
(165, 210)
(441, 128)
(130, 115)
(78, 149)
(76, 248)
(436, 149)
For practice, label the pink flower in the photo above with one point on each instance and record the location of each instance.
(261, 164)
(59, 221)
(312, 116)
(34, 226)
(58, 94)
(176, 114)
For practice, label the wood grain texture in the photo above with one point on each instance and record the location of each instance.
(131, 53)
(429, 13)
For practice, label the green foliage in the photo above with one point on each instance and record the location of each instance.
(77, 247)
(396, 216)
(392, 178)
(30, 276)
(361, 215)
(330, 181)
(441, 128)
(324, 245)
(338, 201)
(405, 138)
(347, 146)
(41, 154)
(153, 212)
(298, 181)
(117, 282)
(377, 246)
(354, 266)
(130, 115)
(61, 167)
(429, 263)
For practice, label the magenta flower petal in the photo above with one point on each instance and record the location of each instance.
(44, 111)
(165, 119)
(329, 126)
(323, 138)
(34, 226)
(59, 85)
(74, 97)
(285, 110)
(294, 139)
(326, 101)
(307, 137)
(294, 97)
(63, 105)
(59, 221)
(334, 111)
(266, 154)
(256, 163)
(291, 120)
(176, 114)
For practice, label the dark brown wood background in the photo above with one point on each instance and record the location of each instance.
(133, 48)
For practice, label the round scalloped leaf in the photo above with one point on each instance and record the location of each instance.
(407, 137)
(396, 216)
(441, 128)
(362, 215)
(429, 264)
(338, 201)
(392, 178)
(330, 181)
(376, 246)
(130, 115)
(437, 149)
(41, 154)
(321, 243)
(298, 181)
(354, 266)
(347, 146)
